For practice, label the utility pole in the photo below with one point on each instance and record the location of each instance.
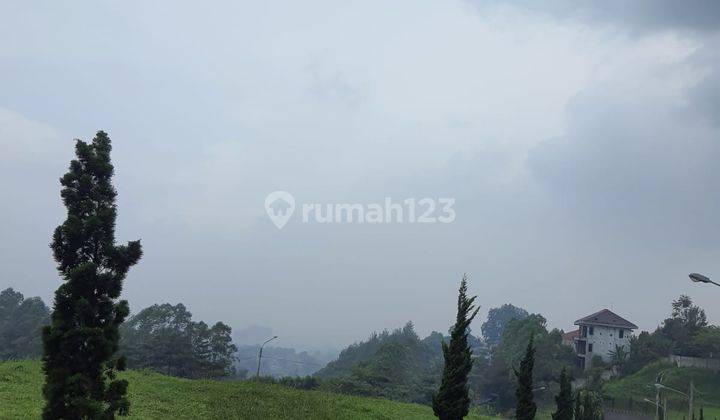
(665, 409)
(657, 403)
(257, 374)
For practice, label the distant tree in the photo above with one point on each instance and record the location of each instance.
(564, 399)
(551, 356)
(526, 407)
(80, 344)
(707, 342)
(497, 319)
(300, 382)
(646, 348)
(498, 384)
(393, 364)
(21, 321)
(452, 401)
(692, 316)
(277, 361)
(164, 338)
(685, 324)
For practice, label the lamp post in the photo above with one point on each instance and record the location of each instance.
(688, 397)
(657, 406)
(699, 278)
(257, 374)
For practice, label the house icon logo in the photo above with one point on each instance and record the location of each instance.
(280, 206)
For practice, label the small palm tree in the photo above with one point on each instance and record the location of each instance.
(618, 357)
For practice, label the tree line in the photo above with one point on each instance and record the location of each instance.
(163, 338)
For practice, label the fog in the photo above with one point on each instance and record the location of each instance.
(579, 142)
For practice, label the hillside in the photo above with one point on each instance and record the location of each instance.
(639, 386)
(155, 396)
(397, 365)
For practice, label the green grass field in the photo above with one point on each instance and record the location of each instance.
(639, 386)
(155, 396)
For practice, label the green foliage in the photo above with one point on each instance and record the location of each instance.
(588, 406)
(396, 365)
(635, 387)
(564, 399)
(646, 348)
(80, 343)
(551, 357)
(452, 401)
(619, 358)
(20, 323)
(593, 375)
(685, 333)
(155, 396)
(164, 338)
(497, 319)
(707, 342)
(526, 407)
(300, 382)
(687, 321)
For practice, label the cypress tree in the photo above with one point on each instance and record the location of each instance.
(588, 406)
(80, 344)
(564, 399)
(526, 407)
(452, 401)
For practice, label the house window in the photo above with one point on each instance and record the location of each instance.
(621, 334)
(592, 330)
(590, 348)
(583, 331)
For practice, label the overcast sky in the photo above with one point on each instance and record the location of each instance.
(580, 140)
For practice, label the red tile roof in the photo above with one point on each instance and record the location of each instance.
(571, 335)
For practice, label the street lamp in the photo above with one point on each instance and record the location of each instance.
(257, 374)
(699, 278)
(660, 386)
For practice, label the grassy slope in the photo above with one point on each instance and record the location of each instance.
(155, 396)
(636, 386)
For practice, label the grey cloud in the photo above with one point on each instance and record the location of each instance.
(704, 97)
(261, 96)
(635, 175)
(639, 16)
(644, 166)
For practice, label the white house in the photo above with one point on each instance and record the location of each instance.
(598, 335)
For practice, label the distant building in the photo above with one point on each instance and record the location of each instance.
(598, 335)
(569, 338)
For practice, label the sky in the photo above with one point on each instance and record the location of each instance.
(580, 141)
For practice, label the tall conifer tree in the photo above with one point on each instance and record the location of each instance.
(564, 399)
(80, 344)
(526, 406)
(452, 401)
